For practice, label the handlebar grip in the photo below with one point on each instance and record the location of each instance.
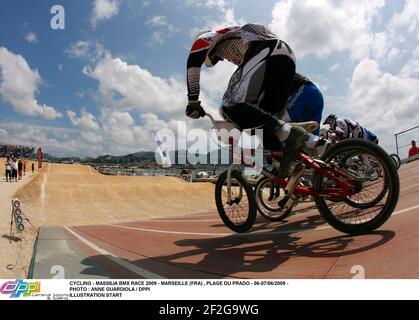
(202, 112)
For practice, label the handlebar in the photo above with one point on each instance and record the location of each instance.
(210, 117)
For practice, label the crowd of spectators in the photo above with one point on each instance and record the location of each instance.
(16, 151)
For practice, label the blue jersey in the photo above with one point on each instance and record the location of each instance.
(306, 104)
(370, 136)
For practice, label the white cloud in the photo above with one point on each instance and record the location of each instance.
(160, 21)
(219, 4)
(3, 133)
(86, 49)
(130, 87)
(56, 141)
(321, 27)
(411, 69)
(152, 122)
(224, 16)
(86, 120)
(334, 67)
(31, 37)
(103, 10)
(396, 40)
(122, 134)
(19, 84)
(162, 30)
(91, 137)
(408, 18)
(214, 81)
(227, 19)
(382, 101)
(157, 39)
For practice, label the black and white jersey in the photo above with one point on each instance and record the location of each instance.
(230, 43)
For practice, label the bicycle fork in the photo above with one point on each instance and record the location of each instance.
(292, 184)
(239, 198)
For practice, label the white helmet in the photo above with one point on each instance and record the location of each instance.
(206, 41)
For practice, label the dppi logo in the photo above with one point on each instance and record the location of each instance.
(20, 287)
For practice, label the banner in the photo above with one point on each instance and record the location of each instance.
(39, 158)
(161, 139)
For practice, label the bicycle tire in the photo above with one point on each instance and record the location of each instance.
(396, 160)
(393, 186)
(370, 203)
(251, 216)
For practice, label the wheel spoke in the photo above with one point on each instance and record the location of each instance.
(371, 176)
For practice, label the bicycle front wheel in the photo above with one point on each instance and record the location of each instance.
(239, 212)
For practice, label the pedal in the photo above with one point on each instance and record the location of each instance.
(283, 202)
(292, 201)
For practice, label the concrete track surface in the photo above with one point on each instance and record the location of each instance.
(198, 245)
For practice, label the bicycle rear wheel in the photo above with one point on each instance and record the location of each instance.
(375, 199)
(238, 214)
(352, 161)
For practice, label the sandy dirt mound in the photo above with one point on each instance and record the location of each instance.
(77, 194)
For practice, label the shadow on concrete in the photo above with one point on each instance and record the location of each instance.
(252, 254)
(265, 252)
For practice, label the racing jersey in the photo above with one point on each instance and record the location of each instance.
(230, 43)
(352, 129)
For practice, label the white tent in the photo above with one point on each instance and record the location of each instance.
(202, 174)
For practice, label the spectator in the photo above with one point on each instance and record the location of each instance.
(25, 163)
(413, 150)
(20, 168)
(16, 151)
(13, 164)
(33, 167)
(8, 170)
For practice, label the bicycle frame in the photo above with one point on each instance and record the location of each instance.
(343, 189)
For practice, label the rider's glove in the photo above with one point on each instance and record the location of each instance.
(194, 109)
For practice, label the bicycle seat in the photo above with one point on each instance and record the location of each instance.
(309, 126)
(224, 125)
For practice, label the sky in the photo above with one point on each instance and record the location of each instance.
(117, 70)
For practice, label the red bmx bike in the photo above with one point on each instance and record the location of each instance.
(351, 197)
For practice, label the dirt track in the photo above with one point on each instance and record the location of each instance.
(62, 195)
(78, 194)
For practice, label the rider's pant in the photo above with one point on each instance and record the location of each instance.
(260, 87)
(305, 104)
